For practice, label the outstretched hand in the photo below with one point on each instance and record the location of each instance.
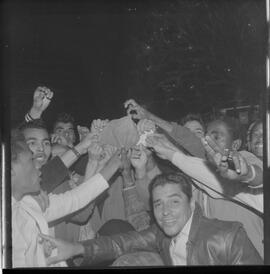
(86, 142)
(98, 125)
(230, 164)
(107, 152)
(135, 110)
(95, 151)
(41, 100)
(146, 125)
(161, 145)
(64, 249)
(82, 131)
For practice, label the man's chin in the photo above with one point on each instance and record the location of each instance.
(39, 164)
(170, 232)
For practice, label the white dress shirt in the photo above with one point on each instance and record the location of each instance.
(28, 221)
(178, 249)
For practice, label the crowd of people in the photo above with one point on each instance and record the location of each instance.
(135, 191)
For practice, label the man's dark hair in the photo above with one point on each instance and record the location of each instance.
(192, 117)
(37, 123)
(17, 144)
(172, 178)
(64, 118)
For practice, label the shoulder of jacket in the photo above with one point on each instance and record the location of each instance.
(219, 226)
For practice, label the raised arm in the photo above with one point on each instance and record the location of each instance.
(183, 136)
(75, 199)
(135, 210)
(41, 100)
(232, 165)
(104, 248)
(138, 112)
(199, 170)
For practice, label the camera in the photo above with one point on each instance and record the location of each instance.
(231, 163)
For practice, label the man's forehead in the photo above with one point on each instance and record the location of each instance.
(194, 123)
(35, 133)
(64, 125)
(167, 190)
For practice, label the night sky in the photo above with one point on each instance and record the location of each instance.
(84, 52)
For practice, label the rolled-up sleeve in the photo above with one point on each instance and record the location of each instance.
(75, 199)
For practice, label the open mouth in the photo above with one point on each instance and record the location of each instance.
(40, 157)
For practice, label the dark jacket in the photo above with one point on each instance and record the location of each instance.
(53, 173)
(211, 242)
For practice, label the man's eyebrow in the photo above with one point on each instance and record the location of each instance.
(175, 195)
(169, 196)
(31, 139)
(59, 127)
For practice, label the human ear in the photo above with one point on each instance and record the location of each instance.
(236, 144)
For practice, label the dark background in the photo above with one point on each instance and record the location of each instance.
(174, 56)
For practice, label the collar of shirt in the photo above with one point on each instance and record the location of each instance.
(178, 244)
(185, 231)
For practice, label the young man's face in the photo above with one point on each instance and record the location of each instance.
(25, 176)
(65, 130)
(219, 132)
(256, 140)
(39, 143)
(172, 209)
(195, 127)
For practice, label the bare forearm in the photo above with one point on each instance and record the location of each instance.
(140, 173)
(91, 168)
(35, 114)
(108, 171)
(167, 126)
